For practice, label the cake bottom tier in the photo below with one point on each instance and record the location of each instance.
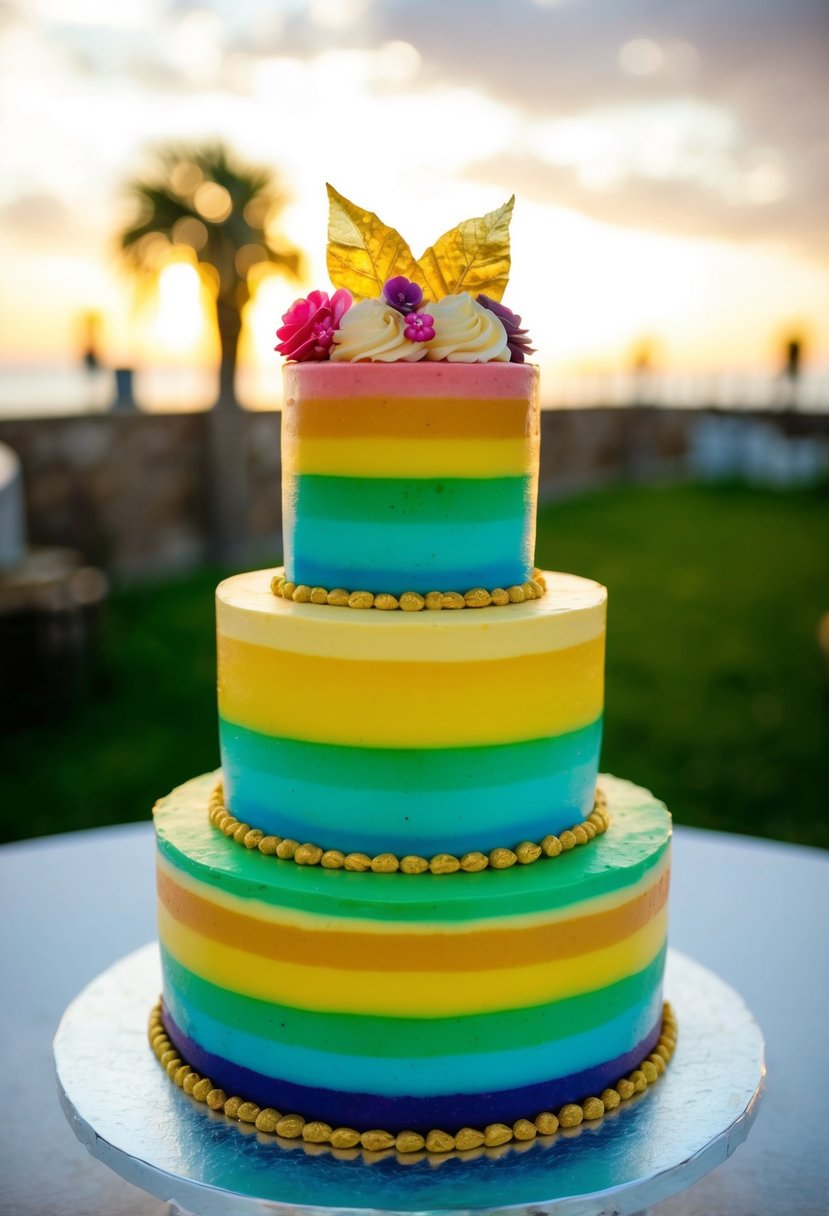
(413, 1002)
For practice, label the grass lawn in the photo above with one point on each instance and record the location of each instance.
(717, 692)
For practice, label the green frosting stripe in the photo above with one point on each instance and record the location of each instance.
(401, 500)
(351, 1034)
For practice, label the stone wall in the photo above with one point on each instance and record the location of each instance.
(586, 447)
(146, 493)
(134, 492)
(127, 490)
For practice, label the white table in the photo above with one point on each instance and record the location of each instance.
(755, 912)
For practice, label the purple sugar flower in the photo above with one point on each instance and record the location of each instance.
(402, 294)
(518, 340)
(420, 327)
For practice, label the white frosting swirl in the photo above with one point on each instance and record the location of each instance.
(374, 331)
(466, 332)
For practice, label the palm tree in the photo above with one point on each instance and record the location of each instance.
(203, 198)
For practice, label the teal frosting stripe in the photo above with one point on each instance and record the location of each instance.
(420, 771)
(390, 1038)
(402, 501)
(410, 800)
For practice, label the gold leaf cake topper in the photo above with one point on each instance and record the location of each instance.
(363, 253)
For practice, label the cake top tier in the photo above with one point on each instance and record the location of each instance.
(389, 307)
(418, 478)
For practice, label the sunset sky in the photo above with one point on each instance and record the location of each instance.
(670, 160)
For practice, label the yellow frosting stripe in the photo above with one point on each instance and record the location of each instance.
(371, 457)
(365, 703)
(408, 993)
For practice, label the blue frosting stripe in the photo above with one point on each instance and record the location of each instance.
(446, 571)
(368, 1110)
(419, 1076)
(439, 799)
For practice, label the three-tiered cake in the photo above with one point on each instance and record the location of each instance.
(404, 914)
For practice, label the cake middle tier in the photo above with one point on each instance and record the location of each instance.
(409, 477)
(410, 732)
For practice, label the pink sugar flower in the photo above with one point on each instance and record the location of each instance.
(420, 327)
(309, 325)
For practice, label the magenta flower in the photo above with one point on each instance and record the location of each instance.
(518, 340)
(402, 294)
(309, 325)
(420, 327)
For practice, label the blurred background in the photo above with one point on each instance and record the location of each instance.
(162, 202)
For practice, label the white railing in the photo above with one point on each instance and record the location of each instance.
(12, 516)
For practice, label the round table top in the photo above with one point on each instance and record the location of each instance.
(753, 911)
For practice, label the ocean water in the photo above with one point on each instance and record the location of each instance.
(29, 391)
(46, 391)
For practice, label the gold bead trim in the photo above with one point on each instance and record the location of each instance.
(309, 854)
(294, 1127)
(411, 601)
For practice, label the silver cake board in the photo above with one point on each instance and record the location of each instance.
(125, 1110)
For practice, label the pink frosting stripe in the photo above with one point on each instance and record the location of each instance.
(326, 381)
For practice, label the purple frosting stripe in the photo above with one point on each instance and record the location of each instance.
(447, 1111)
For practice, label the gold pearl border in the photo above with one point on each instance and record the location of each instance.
(294, 1127)
(309, 854)
(411, 601)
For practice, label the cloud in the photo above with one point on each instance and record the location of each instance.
(670, 206)
(761, 63)
(700, 119)
(33, 215)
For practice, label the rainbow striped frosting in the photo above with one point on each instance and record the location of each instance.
(388, 1001)
(409, 476)
(410, 732)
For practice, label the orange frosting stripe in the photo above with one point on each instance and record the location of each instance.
(488, 950)
(412, 417)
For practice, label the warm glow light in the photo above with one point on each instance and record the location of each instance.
(179, 319)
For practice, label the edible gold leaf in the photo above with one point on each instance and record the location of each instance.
(472, 257)
(363, 252)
